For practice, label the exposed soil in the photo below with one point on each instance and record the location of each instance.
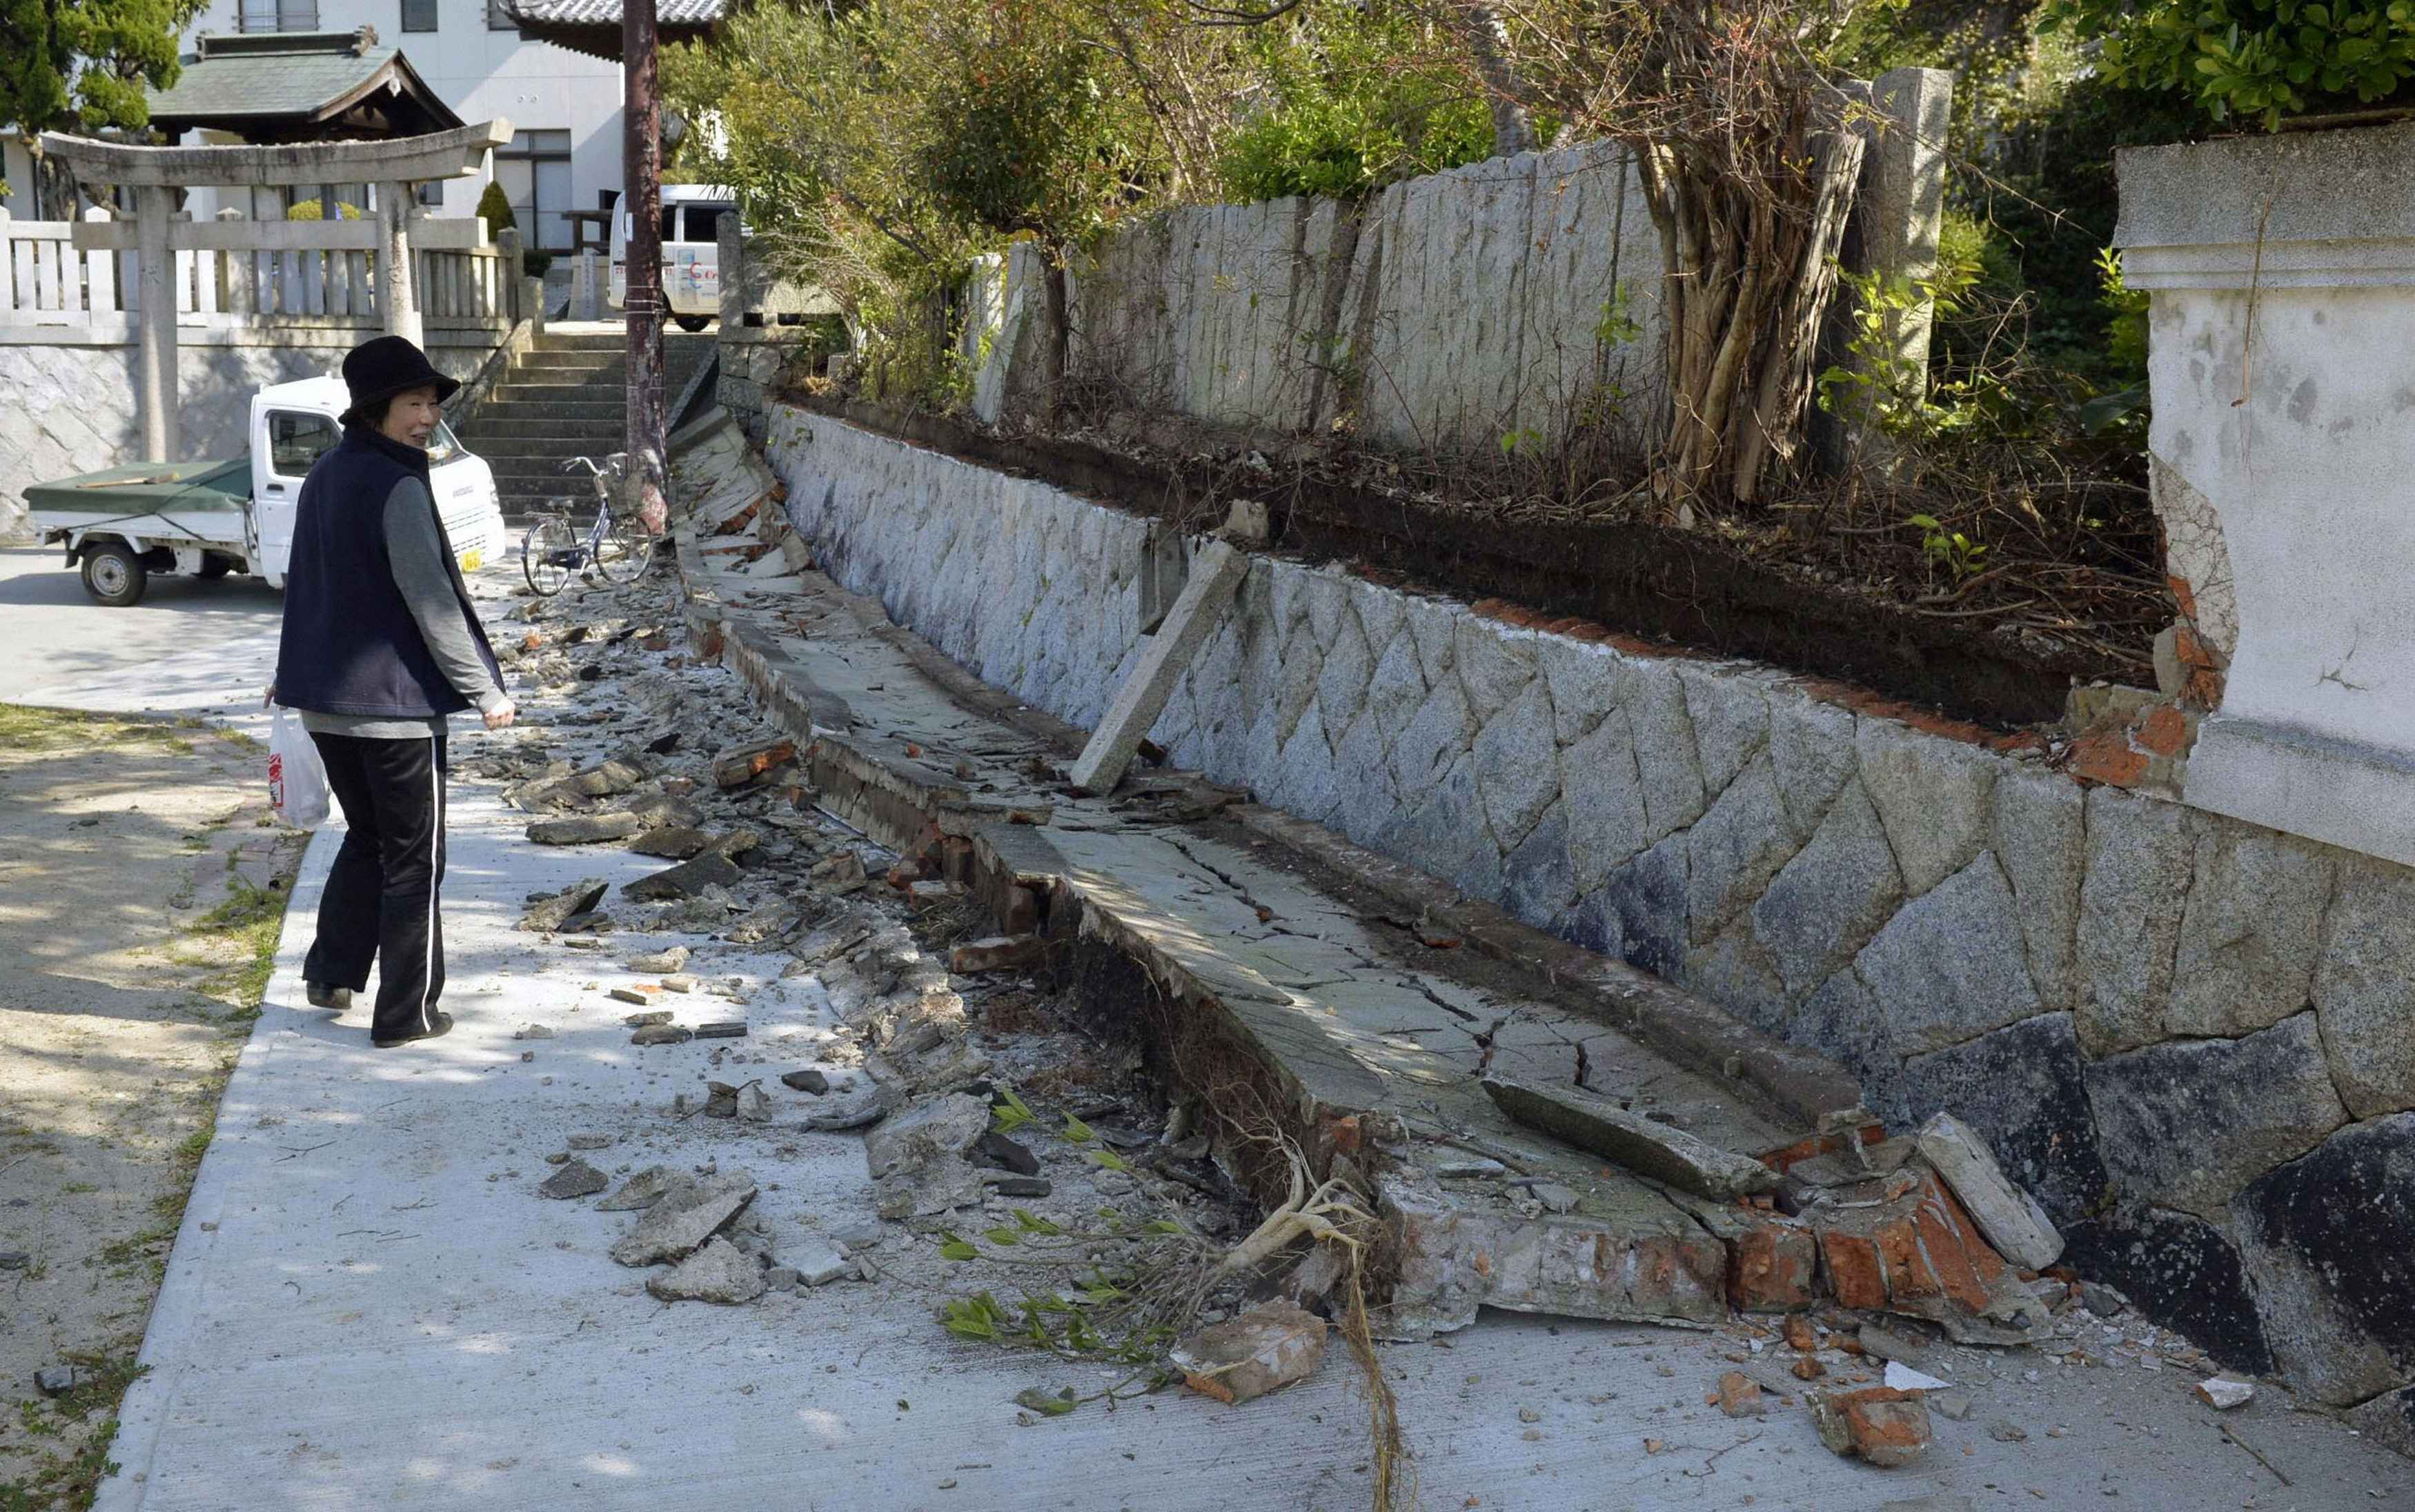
(1855, 605)
(139, 897)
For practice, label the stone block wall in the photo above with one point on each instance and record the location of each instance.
(2188, 1035)
(71, 408)
(749, 376)
(1447, 312)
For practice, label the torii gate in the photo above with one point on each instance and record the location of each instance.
(393, 165)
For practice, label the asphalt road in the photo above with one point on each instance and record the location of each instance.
(189, 648)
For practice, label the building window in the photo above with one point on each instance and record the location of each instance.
(535, 171)
(277, 16)
(498, 17)
(418, 15)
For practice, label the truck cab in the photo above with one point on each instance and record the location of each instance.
(208, 518)
(292, 423)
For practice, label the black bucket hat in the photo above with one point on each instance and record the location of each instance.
(385, 366)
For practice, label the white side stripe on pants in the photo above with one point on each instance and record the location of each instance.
(435, 839)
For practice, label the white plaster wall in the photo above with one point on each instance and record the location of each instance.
(2282, 272)
(2310, 480)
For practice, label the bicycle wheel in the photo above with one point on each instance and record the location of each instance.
(626, 550)
(547, 554)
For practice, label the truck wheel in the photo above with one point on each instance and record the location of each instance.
(693, 323)
(114, 575)
(214, 568)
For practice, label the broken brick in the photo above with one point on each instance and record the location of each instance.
(745, 763)
(2106, 757)
(1884, 1425)
(1800, 1333)
(1739, 1396)
(2163, 732)
(1774, 1269)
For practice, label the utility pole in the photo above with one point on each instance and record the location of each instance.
(641, 191)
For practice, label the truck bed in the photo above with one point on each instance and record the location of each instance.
(200, 499)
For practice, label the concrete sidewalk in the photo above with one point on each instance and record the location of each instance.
(369, 1303)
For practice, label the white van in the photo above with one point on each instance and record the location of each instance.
(691, 252)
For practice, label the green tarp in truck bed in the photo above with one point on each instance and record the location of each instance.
(148, 488)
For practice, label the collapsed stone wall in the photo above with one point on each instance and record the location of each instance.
(73, 410)
(2186, 1034)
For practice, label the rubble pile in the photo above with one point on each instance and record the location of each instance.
(796, 980)
(764, 899)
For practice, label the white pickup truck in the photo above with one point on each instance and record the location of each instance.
(228, 515)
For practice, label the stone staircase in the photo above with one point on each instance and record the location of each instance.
(567, 397)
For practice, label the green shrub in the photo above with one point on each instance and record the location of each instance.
(496, 207)
(2258, 60)
(1350, 110)
(313, 210)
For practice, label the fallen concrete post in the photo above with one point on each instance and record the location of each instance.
(1216, 572)
(2011, 1219)
(1646, 1147)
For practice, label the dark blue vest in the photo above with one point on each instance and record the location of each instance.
(349, 645)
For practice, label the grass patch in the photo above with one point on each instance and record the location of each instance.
(247, 924)
(83, 1421)
(28, 727)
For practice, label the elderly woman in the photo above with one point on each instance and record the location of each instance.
(380, 644)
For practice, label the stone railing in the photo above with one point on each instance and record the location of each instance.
(57, 286)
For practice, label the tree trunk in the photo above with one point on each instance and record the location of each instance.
(1513, 130)
(1751, 267)
(1055, 341)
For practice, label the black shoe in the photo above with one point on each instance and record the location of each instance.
(323, 996)
(437, 1024)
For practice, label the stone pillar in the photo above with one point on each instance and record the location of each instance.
(100, 268)
(154, 357)
(239, 271)
(585, 297)
(533, 302)
(2282, 270)
(508, 274)
(1901, 205)
(395, 297)
(731, 249)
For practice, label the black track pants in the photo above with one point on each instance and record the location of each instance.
(381, 899)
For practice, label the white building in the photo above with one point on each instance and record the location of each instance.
(564, 106)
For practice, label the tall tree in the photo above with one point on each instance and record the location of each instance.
(85, 64)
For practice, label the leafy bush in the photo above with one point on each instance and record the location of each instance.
(1347, 111)
(313, 210)
(2257, 59)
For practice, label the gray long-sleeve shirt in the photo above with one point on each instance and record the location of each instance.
(415, 545)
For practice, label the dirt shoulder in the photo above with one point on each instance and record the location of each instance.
(141, 894)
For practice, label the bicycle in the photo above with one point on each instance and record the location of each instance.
(618, 546)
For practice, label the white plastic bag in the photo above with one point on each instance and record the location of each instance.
(297, 781)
